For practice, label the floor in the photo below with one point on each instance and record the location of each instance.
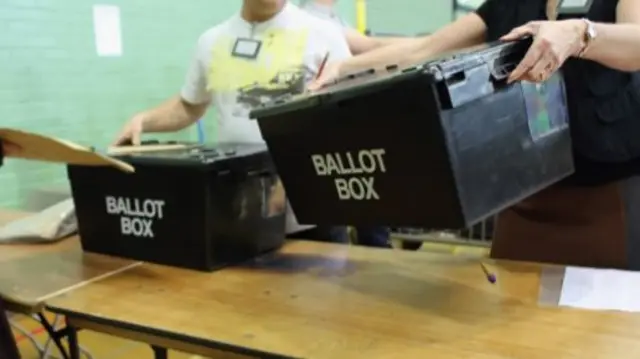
(98, 345)
(106, 347)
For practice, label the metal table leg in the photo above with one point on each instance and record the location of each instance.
(54, 335)
(159, 352)
(72, 337)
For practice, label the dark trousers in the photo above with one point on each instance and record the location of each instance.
(333, 234)
(374, 237)
(581, 226)
(8, 347)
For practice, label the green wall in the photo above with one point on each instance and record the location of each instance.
(408, 17)
(53, 82)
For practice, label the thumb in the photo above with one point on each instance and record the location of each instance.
(118, 141)
(135, 135)
(321, 81)
(122, 138)
(517, 33)
(315, 85)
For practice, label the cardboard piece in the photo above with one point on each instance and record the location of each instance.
(125, 150)
(43, 148)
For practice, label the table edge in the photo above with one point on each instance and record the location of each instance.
(35, 305)
(170, 335)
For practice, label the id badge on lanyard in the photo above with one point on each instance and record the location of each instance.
(246, 48)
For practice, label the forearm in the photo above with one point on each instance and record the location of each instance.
(467, 31)
(381, 56)
(173, 115)
(360, 44)
(616, 46)
(385, 40)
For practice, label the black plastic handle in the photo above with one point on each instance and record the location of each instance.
(502, 67)
(500, 72)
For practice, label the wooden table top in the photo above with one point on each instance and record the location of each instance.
(319, 300)
(32, 273)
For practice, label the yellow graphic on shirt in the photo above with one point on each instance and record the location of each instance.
(278, 70)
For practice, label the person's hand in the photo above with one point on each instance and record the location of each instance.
(11, 149)
(277, 200)
(132, 131)
(329, 76)
(553, 43)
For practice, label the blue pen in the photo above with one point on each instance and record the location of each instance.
(200, 132)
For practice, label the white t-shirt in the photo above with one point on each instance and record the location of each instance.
(325, 12)
(292, 46)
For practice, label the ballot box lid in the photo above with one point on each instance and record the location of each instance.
(452, 69)
(236, 157)
(502, 56)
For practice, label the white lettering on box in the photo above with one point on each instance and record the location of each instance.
(354, 172)
(137, 216)
(137, 227)
(358, 188)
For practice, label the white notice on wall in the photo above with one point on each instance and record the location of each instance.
(601, 289)
(108, 35)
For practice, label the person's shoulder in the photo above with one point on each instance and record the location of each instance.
(312, 11)
(223, 28)
(305, 19)
(318, 26)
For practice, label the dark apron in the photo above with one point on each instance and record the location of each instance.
(582, 226)
(8, 347)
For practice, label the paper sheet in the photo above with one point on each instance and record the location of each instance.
(106, 26)
(601, 289)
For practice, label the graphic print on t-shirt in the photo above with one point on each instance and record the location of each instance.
(278, 69)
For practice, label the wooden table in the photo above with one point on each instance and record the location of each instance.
(30, 274)
(317, 300)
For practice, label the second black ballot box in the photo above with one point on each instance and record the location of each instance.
(440, 145)
(193, 206)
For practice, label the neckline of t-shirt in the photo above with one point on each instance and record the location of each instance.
(265, 24)
(322, 8)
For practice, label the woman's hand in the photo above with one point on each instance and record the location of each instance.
(553, 43)
(330, 75)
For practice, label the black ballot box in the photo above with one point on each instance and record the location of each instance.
(439, 145)
(199, 207)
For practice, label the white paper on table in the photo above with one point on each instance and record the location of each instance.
(601, 289)
(107, 29)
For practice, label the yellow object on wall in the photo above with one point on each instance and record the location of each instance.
(361, 15)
